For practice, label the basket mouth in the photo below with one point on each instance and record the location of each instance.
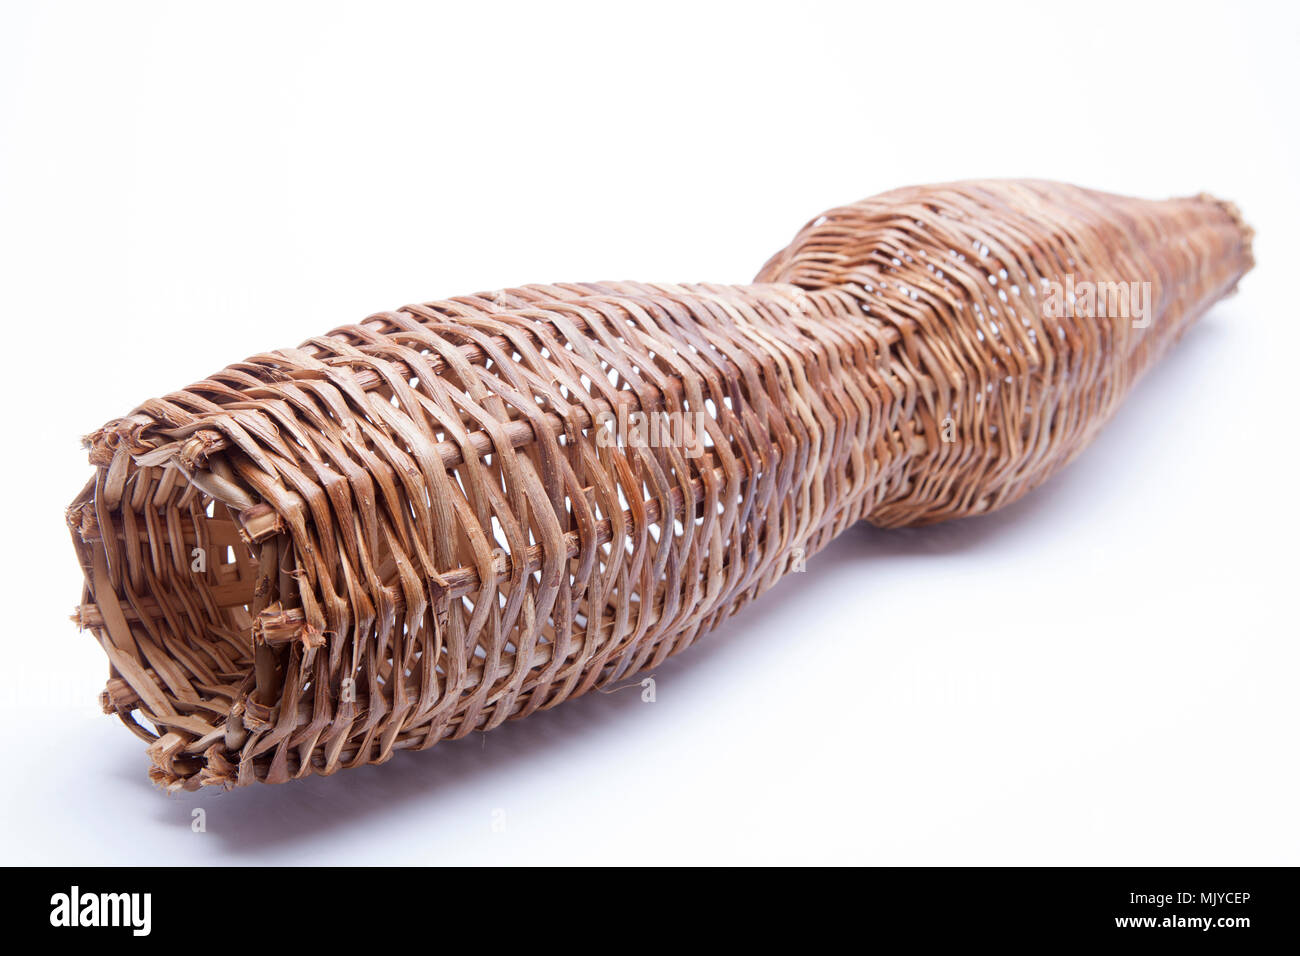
(190, 588)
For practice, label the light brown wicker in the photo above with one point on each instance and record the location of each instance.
(433, 521)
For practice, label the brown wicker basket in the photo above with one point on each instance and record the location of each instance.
(460, 512)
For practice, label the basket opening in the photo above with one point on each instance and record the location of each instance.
(177, 589)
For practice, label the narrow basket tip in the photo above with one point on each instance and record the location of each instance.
(1233, 212)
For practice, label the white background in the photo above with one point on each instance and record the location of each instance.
(1105, 672)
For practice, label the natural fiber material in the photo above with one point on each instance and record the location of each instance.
(436, 520)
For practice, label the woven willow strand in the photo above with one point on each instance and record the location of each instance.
(412, 528)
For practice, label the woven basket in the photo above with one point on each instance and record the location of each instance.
(460, 512)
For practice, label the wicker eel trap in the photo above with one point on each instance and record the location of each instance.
(460, 512)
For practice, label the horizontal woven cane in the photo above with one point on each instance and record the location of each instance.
(465, 511)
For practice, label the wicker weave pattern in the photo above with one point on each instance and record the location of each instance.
(424, 533)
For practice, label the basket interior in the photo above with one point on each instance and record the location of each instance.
(173, 596)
